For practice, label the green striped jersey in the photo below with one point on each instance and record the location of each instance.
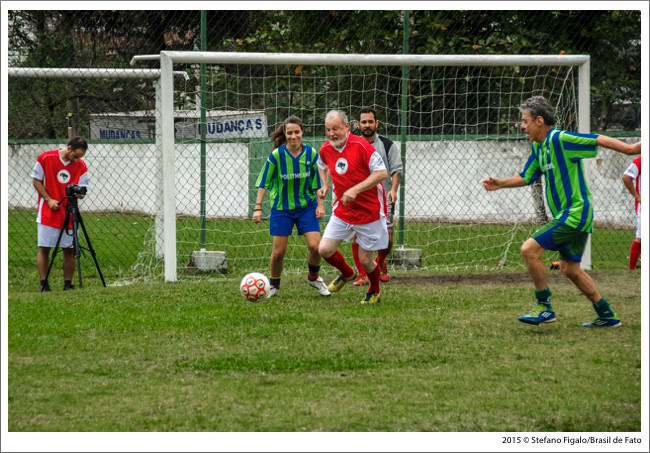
(292, 181)
(559, 159)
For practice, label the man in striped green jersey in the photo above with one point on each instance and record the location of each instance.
(558, 155)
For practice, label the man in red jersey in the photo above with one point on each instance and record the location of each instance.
(356, 170)
(53, 171)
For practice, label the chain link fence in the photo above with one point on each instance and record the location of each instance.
(460, 121)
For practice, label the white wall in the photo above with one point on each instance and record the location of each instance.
(443, 180)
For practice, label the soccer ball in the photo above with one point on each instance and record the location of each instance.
(254, 286)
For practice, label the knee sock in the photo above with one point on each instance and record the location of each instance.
(603, 309)
(275, 282)
(338, 261)
(381, 256)
(373, 278)
(355, 255)
(544, 298)
(635, 252)
(313, 272)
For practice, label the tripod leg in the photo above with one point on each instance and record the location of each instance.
(75, 244)
(90, 248)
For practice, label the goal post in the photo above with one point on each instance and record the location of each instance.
(168, 60)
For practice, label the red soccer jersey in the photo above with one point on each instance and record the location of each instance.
(634, 172)
(347, 169)
(56, 176)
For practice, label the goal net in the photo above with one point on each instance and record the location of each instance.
(456, 123)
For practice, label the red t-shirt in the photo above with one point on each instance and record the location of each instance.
(56, 175)
(347, 169)
(634, 172)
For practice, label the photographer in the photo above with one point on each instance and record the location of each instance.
(53, 172)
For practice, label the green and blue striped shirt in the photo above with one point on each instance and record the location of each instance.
(559, 159)
(292, 181)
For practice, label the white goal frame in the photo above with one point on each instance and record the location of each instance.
(169, 58)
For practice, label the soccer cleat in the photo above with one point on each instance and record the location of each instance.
(320, 286)
(67, 287)
(273, 292)
(45, 288)
(340, 281)
(538, 315)
(371, 298)
(361, 281)
(555, 265)
(383, 272)
(614, 321)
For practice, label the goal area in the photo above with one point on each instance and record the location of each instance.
(455, 120)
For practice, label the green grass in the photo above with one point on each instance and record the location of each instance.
(438, 354)
(125, 245)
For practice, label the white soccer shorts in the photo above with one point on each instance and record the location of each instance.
(47, 237)
(370, 236)
(638, 222)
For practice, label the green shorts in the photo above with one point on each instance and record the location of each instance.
(568, 241)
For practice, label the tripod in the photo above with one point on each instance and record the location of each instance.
(72, 214)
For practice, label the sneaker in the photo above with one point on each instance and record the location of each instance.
(538, 315)
(371, 298)
(273, 291)
(339, 282)
(320, 286)
(383, 272)
(614, 321)
(362, 280)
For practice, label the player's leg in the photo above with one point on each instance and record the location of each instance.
(371, 237)
(570, 266)
(43, 263)
(635, 249)
(363, 277)
(382, 255)
(336, 232)
(313, 238)
(280, 228)
(532, 251)
(69, 263)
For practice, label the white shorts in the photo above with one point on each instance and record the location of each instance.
(638, 223)
(370, 236)
(47, 237)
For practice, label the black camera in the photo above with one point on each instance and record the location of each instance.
(73, 189)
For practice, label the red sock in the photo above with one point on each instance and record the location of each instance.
(381, 256)
(635, 252)
(338, 261)
(373, 278)
(355, 255)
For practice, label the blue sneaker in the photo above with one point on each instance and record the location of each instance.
(538, 315)
(614, 321)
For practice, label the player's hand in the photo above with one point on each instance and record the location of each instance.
(348, 197)
(257, 216)
(320, 193)
(320, 212)
(491, 183)
(53, 204)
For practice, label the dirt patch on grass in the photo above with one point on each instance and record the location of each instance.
(472, 279)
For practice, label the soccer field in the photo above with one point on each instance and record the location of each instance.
(441, 353)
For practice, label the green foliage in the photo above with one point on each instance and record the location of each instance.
(112, 38)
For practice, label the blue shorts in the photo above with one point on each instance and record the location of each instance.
(559, 237)
(282, 222)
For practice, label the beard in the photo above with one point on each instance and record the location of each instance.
(368, 132)
(338, 143)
